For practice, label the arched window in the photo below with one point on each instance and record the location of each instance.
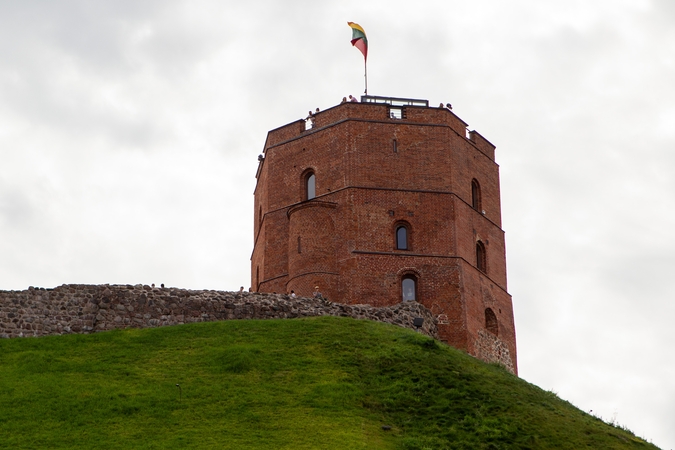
(409, 288)
(402, 237)
(475, 195)
(480, 257)
(491, 323)
(310, 186)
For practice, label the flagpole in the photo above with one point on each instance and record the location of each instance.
(365, 68)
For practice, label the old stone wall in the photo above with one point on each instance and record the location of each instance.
(77, 308)
(491, 349)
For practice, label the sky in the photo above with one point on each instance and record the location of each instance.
(130, 130)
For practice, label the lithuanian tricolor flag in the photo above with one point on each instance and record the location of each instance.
(359, 39)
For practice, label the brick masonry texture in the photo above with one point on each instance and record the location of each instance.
(78, 308)
(373, 174)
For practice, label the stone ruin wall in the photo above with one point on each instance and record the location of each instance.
(78, 308)
(491, 349)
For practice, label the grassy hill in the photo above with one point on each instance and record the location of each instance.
(328, 382)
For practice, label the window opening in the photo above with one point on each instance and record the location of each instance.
(402, 238)
(491, 323)
(395, 146)
(408, 288)
(475, 195)
(480, 257)
(310, 185)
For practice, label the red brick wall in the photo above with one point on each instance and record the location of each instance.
(344, 239)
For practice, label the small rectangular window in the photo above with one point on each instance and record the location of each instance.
(408, 289)
(402, 238)
(310, 186)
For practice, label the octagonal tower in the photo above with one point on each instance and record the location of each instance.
(384, 201)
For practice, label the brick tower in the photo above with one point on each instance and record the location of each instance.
(384, 201)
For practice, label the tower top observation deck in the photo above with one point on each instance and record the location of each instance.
(383, 110)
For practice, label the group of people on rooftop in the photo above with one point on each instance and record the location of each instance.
(351, 99)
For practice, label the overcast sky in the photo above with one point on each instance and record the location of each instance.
(130, 130)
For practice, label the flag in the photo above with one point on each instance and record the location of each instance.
(359, 39)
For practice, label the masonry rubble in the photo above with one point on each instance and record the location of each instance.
(491, 349)
(79, 308)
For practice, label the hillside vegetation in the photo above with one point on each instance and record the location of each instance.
(316, 383)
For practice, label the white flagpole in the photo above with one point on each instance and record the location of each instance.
(365, 68)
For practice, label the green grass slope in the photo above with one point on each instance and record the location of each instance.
(317, 383)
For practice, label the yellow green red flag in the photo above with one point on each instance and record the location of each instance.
(359, 39)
